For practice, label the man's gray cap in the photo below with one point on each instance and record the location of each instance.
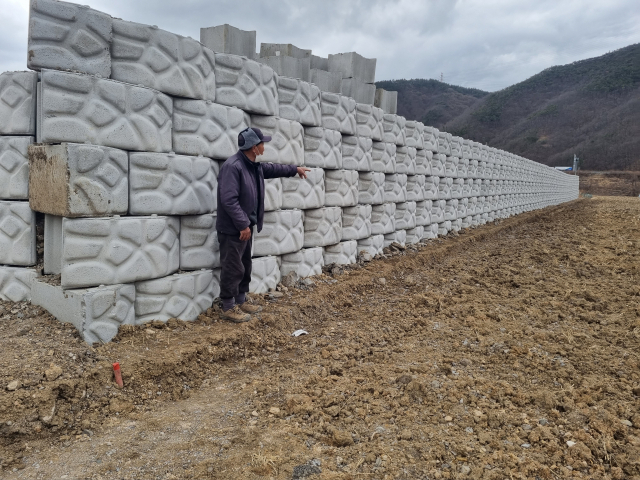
(250, 137)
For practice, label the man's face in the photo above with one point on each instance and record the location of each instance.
(259, 149)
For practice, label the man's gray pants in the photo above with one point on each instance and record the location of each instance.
(235, 263)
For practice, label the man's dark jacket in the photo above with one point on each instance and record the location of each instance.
(238, 191)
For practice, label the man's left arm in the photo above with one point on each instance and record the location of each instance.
(277, 170)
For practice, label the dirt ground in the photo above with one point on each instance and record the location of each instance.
(510, 351)
(617, 183)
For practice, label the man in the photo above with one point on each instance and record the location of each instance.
(240, 208)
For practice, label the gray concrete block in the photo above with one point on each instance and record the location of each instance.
(338, 113)
(405, 215)
(272, 194)
(343, 253)
(322, 226)
(444, 228)
(305, 263)
(414, 134)
(52, 244)
(406, 160)
(370, 188)
(14, 168)
(78, 180)
(357, 153)
(369, 122)
(287, 143)
(353, 65)
(430, 231)
(415, 235)
(451, 209)
(444, 188)
(437, 164)
(304, 193)
(467, 222)
(463, 167)
(394, 129)
(451, 167)
(387, 101)
(383, 157)
(84, 109)
(168, 184)
(457, 188)
(320, 63)
(383, 218)
(356, 222)
(283, 50)
(361, 92)
(462, 210)
(108, 251)
(15, 283)
(430, 138)
(18, 103)
(341, 188)
(322, 148)
(265, 275)
(423, 162)
(66, 36)
(431, 184)
(246, 84)
(437, 211)
(282, 232)
(206, 128)
(373, 245)
(444, 146)
(299, 101)
(395, 187)
(199, 247)
(173, 64)
(289, 66)
(399, 236)
(455, 144)
(423, 212)
(326, 81)
(17, 234)
(97, 313)
(228, 39)
(415, 188)
(183, 296)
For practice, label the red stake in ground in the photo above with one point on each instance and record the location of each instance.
(118, 374)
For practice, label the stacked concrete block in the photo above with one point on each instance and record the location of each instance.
(383, 218)
(199, 247)
(304, 193)
(414, 134)
(437, 164)
(326, 81)
(338, 113)
(361, 92)
(228, 39)
(15, 283)
(457, 188)
(17, 234)
(356, 222)
(305, 263)
(387, 101)
(299, 101)
(462, 209)
(437, 211)
(395, 188)
(467, 187)
(399, 237)
(423, 213)
(415, 187)
(282, 232)
(394, 129)
(405, 215)
(444, 228)
(444, 188)
(371, 188)
(406, 160)
(206, 128)
(369, 122)
(322, 226)
(341, 188)
(343, 253)
(284, 65)
(18, 103)
(357, 153)
(451, 167)
(423, 162)
(430, 138)
(272, 194)
(86, 109)
(383, 157)
(430, 231)
(265, 275)
(322, 148)
(14, 167)
(373, 245)
(451, 210)
(353, 65)
(444, 146)
(414, 235)
(287, 143)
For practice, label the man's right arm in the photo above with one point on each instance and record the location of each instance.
(229, 187)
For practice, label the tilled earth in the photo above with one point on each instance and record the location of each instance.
(510, 351)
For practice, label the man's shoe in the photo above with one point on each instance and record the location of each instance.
(246, 307)
(235, 315)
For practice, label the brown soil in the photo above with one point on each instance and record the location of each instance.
(508, 352)
(610, 183)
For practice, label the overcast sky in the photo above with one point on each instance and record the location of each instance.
(486, 44)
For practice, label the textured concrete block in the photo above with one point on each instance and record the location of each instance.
(423, 212)
(467, 187)
(306, 262)
(108, 251)
(322, 148)
(463, 167)
(15, 283)
(78, 180)
(370, 188)
(304, 193)
(343, 253)
(406, 160)
(97, 313)
(423, 162)
(282, 232)
(462, 208)
(206, 128)
(299, 101)
(451, 167)
(265, 275)
(83, 109)
(431, 185)
(472, 206)
(451, 210)
(455, 144)
(414, 134)
(353, 65)
(394, 129)
(228, 39)
(444, 188)
(369, 122)
(183, 296)
(415, 235)
(18, 103)
(246, 84)
(288, 66)
(66, 36)
(326, 81)
(168, 184)
(173, 64)
(415, 187)
(405, 215)
(456, 188)
(17, 234)
(437, 211)
(199, 247)
(437, 164)
(322, 226)
(387, 101)
(395, 188)
(272, 194)
(372, 245)
(430, 138)
(341, 188)
(357, 153)
(361, 92)
(444, 146)
(338, 113)
(356, 222)
(52, 244)
(430, 231)
(383, 157)
(476, 188)
(287, 144)
(383, 218)
(467, 222)
(14, 168)
(444, 228)
(399, 236)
